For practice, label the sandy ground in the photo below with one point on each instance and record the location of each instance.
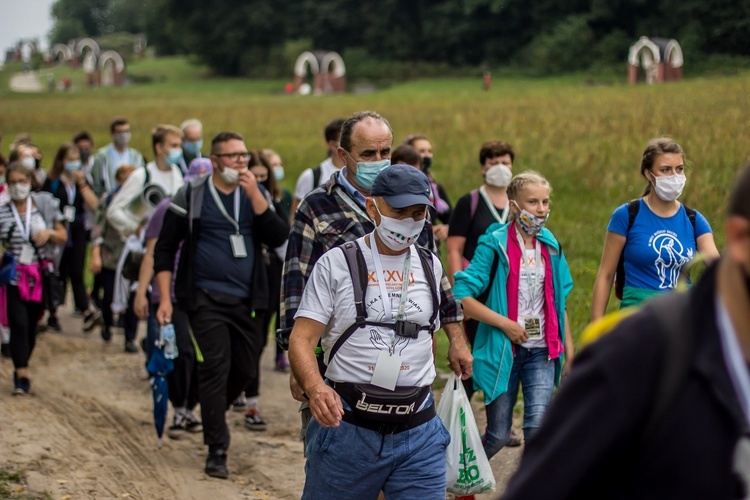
(86, 431)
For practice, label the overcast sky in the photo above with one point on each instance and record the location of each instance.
(24, 19)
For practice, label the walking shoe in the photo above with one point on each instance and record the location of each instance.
(130, 347)
(178, 427)
(192, 424)
(106, 334)
(253, 420)
(53, 324)
(216, 463)
(240, 404)
(515, 440)
(22, 385)
(282, 365)
(91, 319)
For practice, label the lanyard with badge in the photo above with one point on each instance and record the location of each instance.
(236, 240)
(492, 209)
(533, 322)
(388, 365)
(27, 250)
(69, 211)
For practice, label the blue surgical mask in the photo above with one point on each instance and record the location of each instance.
(368, 170)
(278, 172)
(174, 156)
(72, 166)
(192, 147)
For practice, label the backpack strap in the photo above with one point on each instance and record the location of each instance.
(633, 207)
(317, 172)
(673, 315)
(425, 257)
(355, 261)
(691, 216)
(474, 194)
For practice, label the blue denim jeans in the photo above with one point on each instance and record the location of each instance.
(343, 462)
(537, 377)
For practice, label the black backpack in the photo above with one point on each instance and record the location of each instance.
(355, 261)
(317, 172)
(633, 208)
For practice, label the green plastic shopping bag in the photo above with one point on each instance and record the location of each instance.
(469, 471)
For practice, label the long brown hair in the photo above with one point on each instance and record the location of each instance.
(654, 149)
(58, 164)
(257, 158)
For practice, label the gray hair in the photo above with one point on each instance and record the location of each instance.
(193, 122)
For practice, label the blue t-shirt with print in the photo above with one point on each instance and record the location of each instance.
(657, 247)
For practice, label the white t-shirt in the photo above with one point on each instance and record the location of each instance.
(531, 295)
(305, 179)
(329, 299)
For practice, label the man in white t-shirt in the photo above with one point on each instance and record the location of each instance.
(123, 213)
(374, 426)
(311, 178)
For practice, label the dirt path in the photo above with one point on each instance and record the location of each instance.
(87, 431)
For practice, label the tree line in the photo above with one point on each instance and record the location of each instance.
(258, 37)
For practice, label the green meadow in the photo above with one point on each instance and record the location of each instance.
(587, 139)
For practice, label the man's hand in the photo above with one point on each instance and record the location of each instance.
(297, 392)
(440, 232)
(248, 182)
(164, 313)
(140, 306)
(460, 358)
(326, 405)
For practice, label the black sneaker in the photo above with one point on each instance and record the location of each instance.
(91, 319)
(240, 404)
(106, 334)
(131, 347)
(178, 427)
(216, 463)
(22, 385)
(192, 424)
(254, 421)
(53, 324)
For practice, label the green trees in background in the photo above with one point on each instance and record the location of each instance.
(239, 37)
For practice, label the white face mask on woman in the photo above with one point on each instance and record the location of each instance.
(398, 234)
(19, 192)
(498, 175)
(669, 187)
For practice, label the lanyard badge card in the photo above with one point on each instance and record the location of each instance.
(236, 240)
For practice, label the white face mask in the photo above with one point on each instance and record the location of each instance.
(230, 175)
(398, 234)
(498, 175)
(28, 162)
(669, 187)
(19, 192)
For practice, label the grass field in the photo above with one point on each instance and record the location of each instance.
(586, 139)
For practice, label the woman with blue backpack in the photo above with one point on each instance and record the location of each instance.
(650, 239)
(524, 333)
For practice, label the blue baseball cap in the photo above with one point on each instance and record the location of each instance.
(402, 186)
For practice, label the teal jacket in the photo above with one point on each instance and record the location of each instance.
(492, 350)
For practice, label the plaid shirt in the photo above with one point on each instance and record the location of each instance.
(326, 218)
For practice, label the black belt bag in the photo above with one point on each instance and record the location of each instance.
(373, 403)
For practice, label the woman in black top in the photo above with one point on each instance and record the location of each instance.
(68, 184)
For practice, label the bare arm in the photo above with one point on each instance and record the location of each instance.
(325, 403)
(89, 198)
(570, 350)
(707, 247)
(459, 354)
(96, 259)
(164, 284)
(455, 246)
(613, 245)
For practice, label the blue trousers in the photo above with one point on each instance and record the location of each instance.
(353, 462)
(537, 377)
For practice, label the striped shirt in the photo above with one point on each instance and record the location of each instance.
(327, 218)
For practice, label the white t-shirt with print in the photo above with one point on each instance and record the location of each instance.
(531, 294)
(329, 299)
(305, 179)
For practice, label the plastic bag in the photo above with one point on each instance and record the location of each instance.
(469, 471)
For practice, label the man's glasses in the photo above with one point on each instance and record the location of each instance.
(234, 156)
